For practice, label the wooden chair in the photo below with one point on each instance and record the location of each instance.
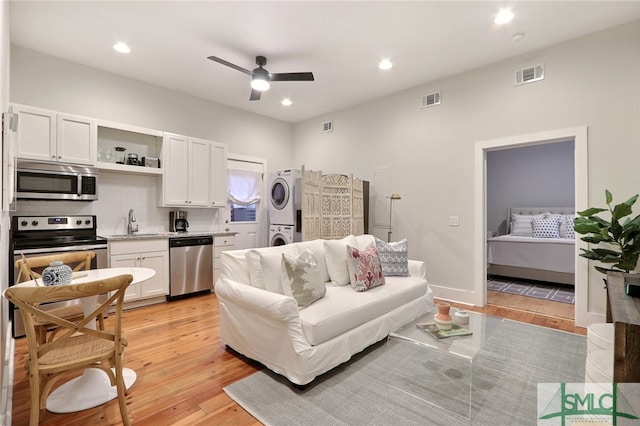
(78, 346)
(31, 268)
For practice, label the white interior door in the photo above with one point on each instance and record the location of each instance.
(248, 222)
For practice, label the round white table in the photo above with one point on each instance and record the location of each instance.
(93, 387)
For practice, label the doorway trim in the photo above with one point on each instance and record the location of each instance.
(581, 170)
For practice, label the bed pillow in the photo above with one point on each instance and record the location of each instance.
(521, 225)
(335, 253)
(303, 279)
(566, 227)
(547, 227)
(394, 257)
(365, 268)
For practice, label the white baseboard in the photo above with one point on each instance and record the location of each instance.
(454, 295)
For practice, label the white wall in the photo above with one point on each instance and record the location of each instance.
(48, 82)
(593, 81)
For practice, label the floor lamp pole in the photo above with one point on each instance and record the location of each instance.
(391, 199)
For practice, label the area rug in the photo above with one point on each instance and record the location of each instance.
(366, 390)
(533, 289)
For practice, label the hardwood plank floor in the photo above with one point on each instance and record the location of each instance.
(182, 366)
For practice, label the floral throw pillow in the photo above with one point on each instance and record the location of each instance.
(394, 257)
(365, 268)
(304, 281)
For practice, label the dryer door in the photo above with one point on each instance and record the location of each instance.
(278, 240)
(279, 193)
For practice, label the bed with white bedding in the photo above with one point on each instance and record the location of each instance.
(539, 246)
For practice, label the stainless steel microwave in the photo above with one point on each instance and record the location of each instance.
(46, 181)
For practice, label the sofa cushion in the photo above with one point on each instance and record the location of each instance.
(343, 309)
(317, 248)
(265, 266)
(335, 252)
(365, 269)
(303, 279)
(394, 257)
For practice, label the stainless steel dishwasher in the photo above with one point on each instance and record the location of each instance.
(190, 265)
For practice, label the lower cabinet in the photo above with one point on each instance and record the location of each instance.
(152, 254)
(221, 243)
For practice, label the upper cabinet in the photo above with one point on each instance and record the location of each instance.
(45, 135)
(218, 178)
(194, 172)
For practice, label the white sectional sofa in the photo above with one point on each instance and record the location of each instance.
(259, 322)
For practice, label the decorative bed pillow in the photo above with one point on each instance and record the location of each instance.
(566, 227)
(394, 258)
(335, 253)
(365, 268)
(303, 278)
(521, 225)
(546, 228)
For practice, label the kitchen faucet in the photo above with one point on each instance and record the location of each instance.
(131, 225)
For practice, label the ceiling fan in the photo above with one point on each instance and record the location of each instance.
(260, 77)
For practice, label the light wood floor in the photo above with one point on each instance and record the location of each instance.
(182, 367)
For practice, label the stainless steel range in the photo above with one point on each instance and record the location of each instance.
(47, 235)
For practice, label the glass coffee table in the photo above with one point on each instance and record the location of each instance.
(439, 371)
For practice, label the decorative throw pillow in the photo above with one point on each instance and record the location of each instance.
(365, 268)
(303, 278)
(566, 227)
(521, 224)
(335, 253)
(394, 257)
(265, 267)
(546, 228)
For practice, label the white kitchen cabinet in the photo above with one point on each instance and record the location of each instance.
(221, 243)
(186, 171)
(46, 135)
(152, 254)
(218, 175)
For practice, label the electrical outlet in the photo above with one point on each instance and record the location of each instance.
(454, 221)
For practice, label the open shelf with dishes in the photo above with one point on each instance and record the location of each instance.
(121, 148)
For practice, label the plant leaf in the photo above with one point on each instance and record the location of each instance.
(608, 196)
(591, 211)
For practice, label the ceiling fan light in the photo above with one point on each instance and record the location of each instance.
(258, 82)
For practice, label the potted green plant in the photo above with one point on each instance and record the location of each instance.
(620, 239)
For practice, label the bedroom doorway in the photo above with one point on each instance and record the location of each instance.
(579, 137)
(527, 273)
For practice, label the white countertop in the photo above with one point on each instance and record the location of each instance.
(164, 235)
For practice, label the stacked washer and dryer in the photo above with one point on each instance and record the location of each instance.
(285, 207)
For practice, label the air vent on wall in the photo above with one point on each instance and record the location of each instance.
(430, 100)
(327, 126)
(529, 74)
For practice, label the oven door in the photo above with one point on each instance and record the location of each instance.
(100, 261)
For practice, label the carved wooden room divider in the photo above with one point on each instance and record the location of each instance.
(332, 205)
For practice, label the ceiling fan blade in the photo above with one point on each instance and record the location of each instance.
(229, 64)
(292, 76)
(255, 95)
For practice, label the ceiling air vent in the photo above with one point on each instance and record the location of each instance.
(529, 74)
(431, 99)
(327, 126)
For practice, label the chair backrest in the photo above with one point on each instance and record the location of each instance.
(31, 268)
(29, 298)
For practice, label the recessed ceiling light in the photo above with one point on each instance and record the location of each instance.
(503, 17)
(385, 64)
(286, 102)
(121, 47)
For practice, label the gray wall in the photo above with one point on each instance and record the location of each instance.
(533, 176)
(592, 81)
